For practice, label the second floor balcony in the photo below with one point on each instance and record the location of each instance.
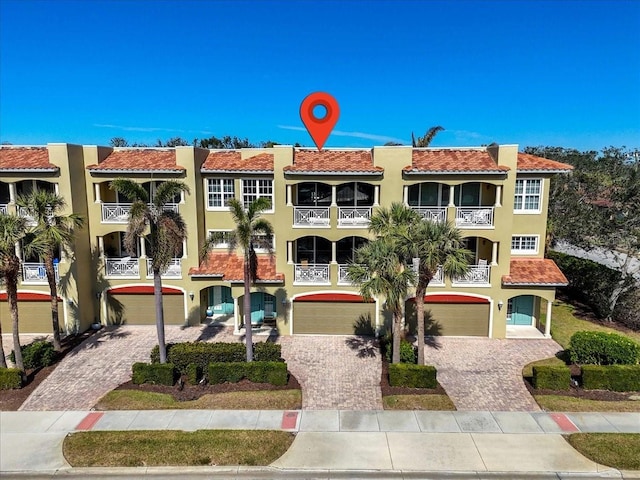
(122, 267)
(312, 273)
(174, 270)
(478, 275)
(36, 273)
(311, 217)
(119, 212)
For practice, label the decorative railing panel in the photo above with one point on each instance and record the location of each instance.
(36, 273)
(311, 217)
(123, 267)
(4, 208)
(174, 270)
(433, 214)
(119, 212)
(311, 273)
(477, 275)
(474, 217)
(354, 217)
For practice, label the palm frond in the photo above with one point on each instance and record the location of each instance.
(130, 189)
(167, 191)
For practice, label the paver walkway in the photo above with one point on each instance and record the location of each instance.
(485, 373)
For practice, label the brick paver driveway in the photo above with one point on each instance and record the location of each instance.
(485, 373)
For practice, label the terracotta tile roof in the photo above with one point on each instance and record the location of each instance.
(231, 161)
(534, 271)
(333, 161)
(138, 159)
(453, 161)
(230, 267)
(528, 162)
(25, 158)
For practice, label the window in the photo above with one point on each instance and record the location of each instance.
(355, 194)
(429, 195)
(524, 244)
(219, 191)
(224, 241)
(528, 195)
(254, 189)
(262, 242)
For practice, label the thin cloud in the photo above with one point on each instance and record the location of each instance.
(339, 133)
(136, 129)
(463, 135)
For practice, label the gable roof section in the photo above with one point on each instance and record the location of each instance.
(528, 163)
(138, 160)
(231, 161)
(453, 161)
(333, 162)
(229, 267)
(534, 272)
(21, 159)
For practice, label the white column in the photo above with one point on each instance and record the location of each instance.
(547, 325)
(289, 196)
(184, 248)
(289, 252)
(333, 252)
(334, 196)
(451, 196)
(498, 196)
(56, 188)
(18, 251)
(96, 188)
(236, 324)
(376, 195)
(101, 247)
(494, 254)
(143, 248)
(182, 196)
(12, 192)
(405, 195)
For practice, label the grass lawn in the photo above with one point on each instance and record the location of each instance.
(176, 448)
(253, 400)
(561, 403)
(617, 450)
(417, 402)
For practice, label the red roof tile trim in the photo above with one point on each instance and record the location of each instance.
(232, 161)
(138, 160)
(534, 271)
(453, 161)
(231, 268)
(25, 158)
(334, 161)
(527, 162)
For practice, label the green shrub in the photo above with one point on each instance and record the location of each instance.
(204, 353)
(408, 352)
(158, 373)
(194, 373)
(36, 354)
(601, 348)
(274, 373)
(619, 378)
(551, 377)
(412, 376)
(10, 378)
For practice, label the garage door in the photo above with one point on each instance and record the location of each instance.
(34, 313)
(453, 317)
(333, 317)
(139, 308)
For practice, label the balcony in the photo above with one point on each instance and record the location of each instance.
(354, 217)
(474, 217)
(477, 275)
(311, 274)
(4, 208)
(125, 267)
(343, 275)
(119, 212)
(438, 278)
(174, 270)
(30, 220)
(36, 273)
(316, 217)
(433, 214)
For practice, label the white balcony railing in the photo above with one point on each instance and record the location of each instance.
(343, 274)
(119, 212)
(354, 217)
(125, 267)
(36, 273)
(434, 214)
(474, 217)
(311, 217)
(311, 273)
(4, 208)
(174, 270)
(31, 221)
(438, 278)
(477, 275)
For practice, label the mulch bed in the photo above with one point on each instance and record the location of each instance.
(11, 400)
(389, 390)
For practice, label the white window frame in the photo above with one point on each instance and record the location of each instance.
(258, 194)
(219, 245)
(524, 196)
(224, 196)
(522, 251)
(265, 250)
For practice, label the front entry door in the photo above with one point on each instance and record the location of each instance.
(520, 310)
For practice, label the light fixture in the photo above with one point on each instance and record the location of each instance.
(500, 305)
(192, 296)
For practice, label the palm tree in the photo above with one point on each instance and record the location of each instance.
(248, 224)
(53, 231)
(167, 231)
(428, 137)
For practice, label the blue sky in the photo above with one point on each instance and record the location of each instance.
(562, 73)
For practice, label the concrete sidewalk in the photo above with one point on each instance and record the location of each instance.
(387, 443)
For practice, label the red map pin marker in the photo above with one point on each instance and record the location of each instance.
(319, 128)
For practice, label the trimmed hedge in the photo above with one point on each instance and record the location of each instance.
(619, 378)
(412, 376)
(408, 352)
(601, 348)
(10, 378)
(36, 354)
(551, 377)
(158, 373)
(204, 353)
(274, 373)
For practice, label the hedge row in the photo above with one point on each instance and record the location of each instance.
(412, 376)
(274, 373)
(619, 378)
(601, 348)
(36, 354)
(158, 373)
(10, 378)
(551, 377)
(204, 353)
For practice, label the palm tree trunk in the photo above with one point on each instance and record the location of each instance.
(397, 330)
(12, 296)
(420, 319)
(247, 308)
(55, 322)
(3, 359)
(157, 297)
